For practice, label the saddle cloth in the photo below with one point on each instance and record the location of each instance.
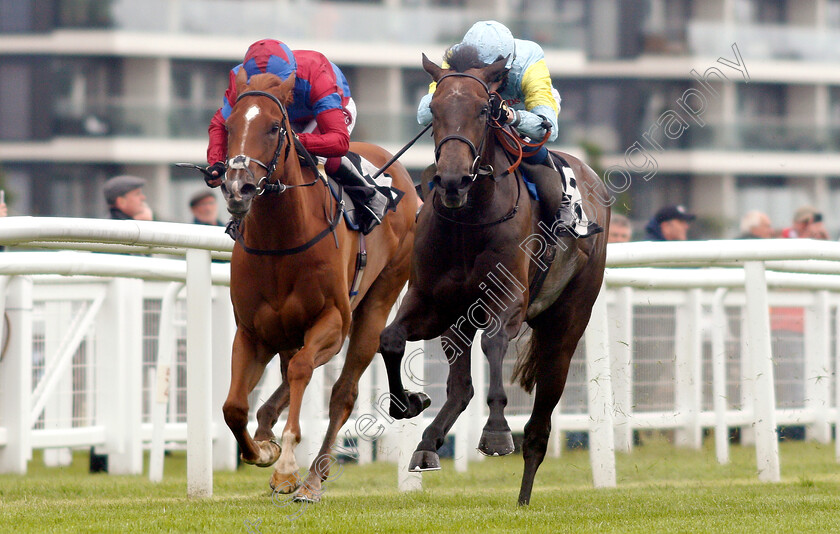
(571, 189)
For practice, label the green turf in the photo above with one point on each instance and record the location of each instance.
(660, 489)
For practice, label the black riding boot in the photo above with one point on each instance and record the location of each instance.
(555, 204)
(372, 203)
(348, 174)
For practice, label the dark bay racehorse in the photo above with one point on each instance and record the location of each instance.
(478, 251)
(291, 279)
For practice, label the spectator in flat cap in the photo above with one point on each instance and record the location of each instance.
(669, 224)
(205, 209)
(124, 195)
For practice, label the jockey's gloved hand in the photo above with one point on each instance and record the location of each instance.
(546, 124)
(215, 174)
(511, 115)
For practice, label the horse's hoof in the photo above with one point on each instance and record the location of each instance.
(307, 495)
(269, 453)
(495, 443)
(285, 484)
(417, 402)
(424, 461)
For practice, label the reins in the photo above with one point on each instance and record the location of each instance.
(502, 134)
(263, 185)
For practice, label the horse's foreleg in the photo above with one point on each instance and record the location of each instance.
(459, 392)
(248, 362)
(320, 343)
(416, 319)
(496, 438)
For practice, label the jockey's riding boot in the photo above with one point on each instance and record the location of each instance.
(348, 174)
(367, 197)
(556, 204)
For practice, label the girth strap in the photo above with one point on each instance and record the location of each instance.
(233, 231)
(361, 263)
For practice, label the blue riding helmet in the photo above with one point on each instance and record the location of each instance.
(492, 39)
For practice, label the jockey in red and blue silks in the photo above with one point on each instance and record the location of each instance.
(322, 114)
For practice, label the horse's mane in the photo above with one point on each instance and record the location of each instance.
(266, 82)
(462, 58)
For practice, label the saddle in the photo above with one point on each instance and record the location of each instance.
(366, 201)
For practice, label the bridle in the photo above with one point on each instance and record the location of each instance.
(476, 169)
(242, 161)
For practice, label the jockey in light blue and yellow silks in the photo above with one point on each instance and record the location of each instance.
(533, 107)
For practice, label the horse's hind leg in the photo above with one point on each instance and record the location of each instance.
(270, 411)
(416, 319)
(459, 392)
(248, 362)
(368, 321)
(556, 333)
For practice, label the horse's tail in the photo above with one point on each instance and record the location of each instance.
(525, 368)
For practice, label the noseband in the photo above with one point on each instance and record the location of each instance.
(476, 169)
(242, 162)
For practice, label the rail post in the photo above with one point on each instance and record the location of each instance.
(689, 369)
(719, 389)
(601, 434)
(199, 375)
(818, 367)
(621, 352)
(761, 356)
(16, 376)
(224, 445)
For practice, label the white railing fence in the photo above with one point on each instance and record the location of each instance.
(128, 353)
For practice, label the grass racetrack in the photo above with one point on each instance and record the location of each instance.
(660, 489)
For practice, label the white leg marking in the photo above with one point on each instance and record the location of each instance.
(287, 462)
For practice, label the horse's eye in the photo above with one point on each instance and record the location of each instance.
(485, 110)
(275, 128)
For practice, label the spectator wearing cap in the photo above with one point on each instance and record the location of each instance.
(620, 229)
(205, 209)
(124, 195)
(807, 223)
(669, 224)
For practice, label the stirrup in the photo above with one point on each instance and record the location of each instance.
(565, 225)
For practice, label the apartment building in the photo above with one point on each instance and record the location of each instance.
(93, 88)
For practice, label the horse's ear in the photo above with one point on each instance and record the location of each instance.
(287, 88)
(433, 70)
(496, 71)
(241, 81)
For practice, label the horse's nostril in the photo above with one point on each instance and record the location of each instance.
(436, 179)
(224, 189)
(466, 180)
(248, 190)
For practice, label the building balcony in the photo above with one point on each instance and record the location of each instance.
(190, 122)
(764, 41)
(764, 135)
(326, 21)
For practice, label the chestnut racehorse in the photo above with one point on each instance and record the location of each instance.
(291, 274)
(478, 264)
